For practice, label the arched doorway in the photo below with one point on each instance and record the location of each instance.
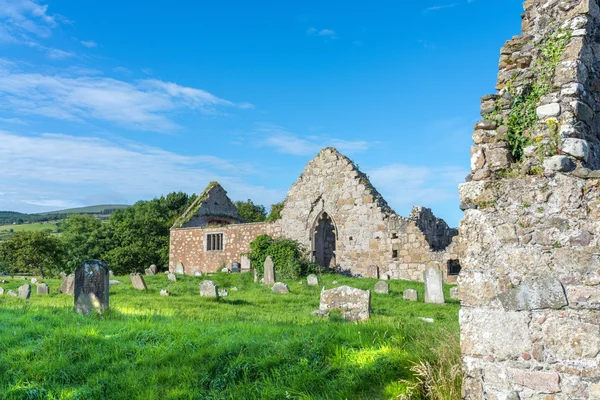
(324, 241)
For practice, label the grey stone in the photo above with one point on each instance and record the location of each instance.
(154, 269)
(148, 271)
(312, 280)
(12, 293)
(428, 320)
(410, 295)
(269, 272)
(92, 287)
(25, 291)
(209, 289)
(577, 148)
(384, 277)
(320, 313)
(34, 281)
(223, 293)
(334, 282)
(110, 273)
(559, 164)
(534, 293)
(354, 304)
(114, 282)
(62, 275)
(548, 110)
(43, 288)
(225, 270)
(434, 285)
(382, 287)
(172, 277)
(68, 285)
(197, 273)
(164, 293)
(138, 282)
(246, 264)
(234, 289)
(180, 268)
(1, 291)
(235, 267)
(454, 293)
(486, 124)
(280, 288)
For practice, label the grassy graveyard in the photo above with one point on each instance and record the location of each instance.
(253, 344)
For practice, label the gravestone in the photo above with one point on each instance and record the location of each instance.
(12, 293)
(373, 271)
(179, 268)
(34, 281)
(225, 270)
(382, 287)
(197, 273)
(149, 271)
(172, 277)
(410, 295)
(1, 291)
(25, 291)
(63, 275)
(91, 287)
(164, 292)
(154, 269)
(223, 293)
(454, 293)
(138, 282)
(110, 273)
(209, 289)
(280, 288)
(269, 272)
(246, 264)
(312, 280)
(235, 267)
(43, 288)
(384, 277)
(114, 282)
(434, 287)
(354, 304)
(68, 285)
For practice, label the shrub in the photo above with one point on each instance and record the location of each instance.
(288, 255)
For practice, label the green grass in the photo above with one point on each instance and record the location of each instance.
(39, 226)
(253, 344)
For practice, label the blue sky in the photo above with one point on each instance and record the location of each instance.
(117, 101)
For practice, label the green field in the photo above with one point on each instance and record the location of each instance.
(253, 344)
(40, 226)
(99, 209)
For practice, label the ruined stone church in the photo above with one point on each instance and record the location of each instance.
(335, 213)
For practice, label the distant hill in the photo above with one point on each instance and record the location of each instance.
(103, 209)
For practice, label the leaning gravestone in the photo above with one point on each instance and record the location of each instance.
(154, 269)
(312, 280)
(43, 288)
(68, 285)
(434, 287)
(209, 289)
(269, 272)
(138, 282)
(91, 287)
(172, 277)
(354, 304)
(179, 268)
(25, 291)
(246, 264)
(149, 271)
(280, 288)
(382, 287)
(410, 295)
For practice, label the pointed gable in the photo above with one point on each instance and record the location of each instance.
(212, 207)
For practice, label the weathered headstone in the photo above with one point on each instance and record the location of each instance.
(138, 281)
(225, 270)
(209, 289)
(382, 287)
(223, 293)
(180, 268)
(410, 295)
(312, 280)
(34, 281)
(92, 287)
(12, 293)
(434, 285)
(246, 264)
(454, 293)
(43, 288)
(149, 271)
(172, 277)
(25, 291)
(164, 292)
(384, 277)
(197, 273)
(63, 275)
(269, 272)
(354, 304)
(68, 285)
(373, 271)
(280, 288)
(154, 269)
(235, 267)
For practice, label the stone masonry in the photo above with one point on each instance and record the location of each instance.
(530, 279)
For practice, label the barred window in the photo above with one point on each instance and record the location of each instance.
(214, 242)
(453, 267)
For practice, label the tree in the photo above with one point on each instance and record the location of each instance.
(251, 212)
(275, 213)
(83, 238)
(35, 252)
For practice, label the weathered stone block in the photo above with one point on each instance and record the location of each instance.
(209, 289)
(43, 288)
(280, 288)
(410, 295)
(382, 287)
(545, 382)
(577, 148)
(559, 164)
(568, 339)
(25, 291)
(534, 293)
(312, 280)
(548, 110)
(434, 285)
(138, 282)
(354, 304)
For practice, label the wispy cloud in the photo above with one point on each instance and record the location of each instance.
(143, 105)
(53, 170)
(440, 7)
(89, 43)
(287, 142)
(328, 33)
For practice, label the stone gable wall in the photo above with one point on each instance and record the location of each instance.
(530, 279)
(215, 207)
(187, 245)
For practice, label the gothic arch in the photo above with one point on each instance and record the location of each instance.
(324, 240)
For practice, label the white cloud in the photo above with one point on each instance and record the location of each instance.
(22, 19)
(89, 43)
(53, 171)
(142, 105)
(440, 7)
(329, 33)
(284, 141)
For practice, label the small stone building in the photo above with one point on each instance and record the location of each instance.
(335, 213)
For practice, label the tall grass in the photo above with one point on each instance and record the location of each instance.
(253, 344)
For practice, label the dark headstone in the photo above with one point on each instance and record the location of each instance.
(235, 267)
(91, 287)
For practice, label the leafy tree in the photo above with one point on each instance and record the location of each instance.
(83, 238)
(275, 212)
(288, 255)
(251, 212)
(35, 252)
